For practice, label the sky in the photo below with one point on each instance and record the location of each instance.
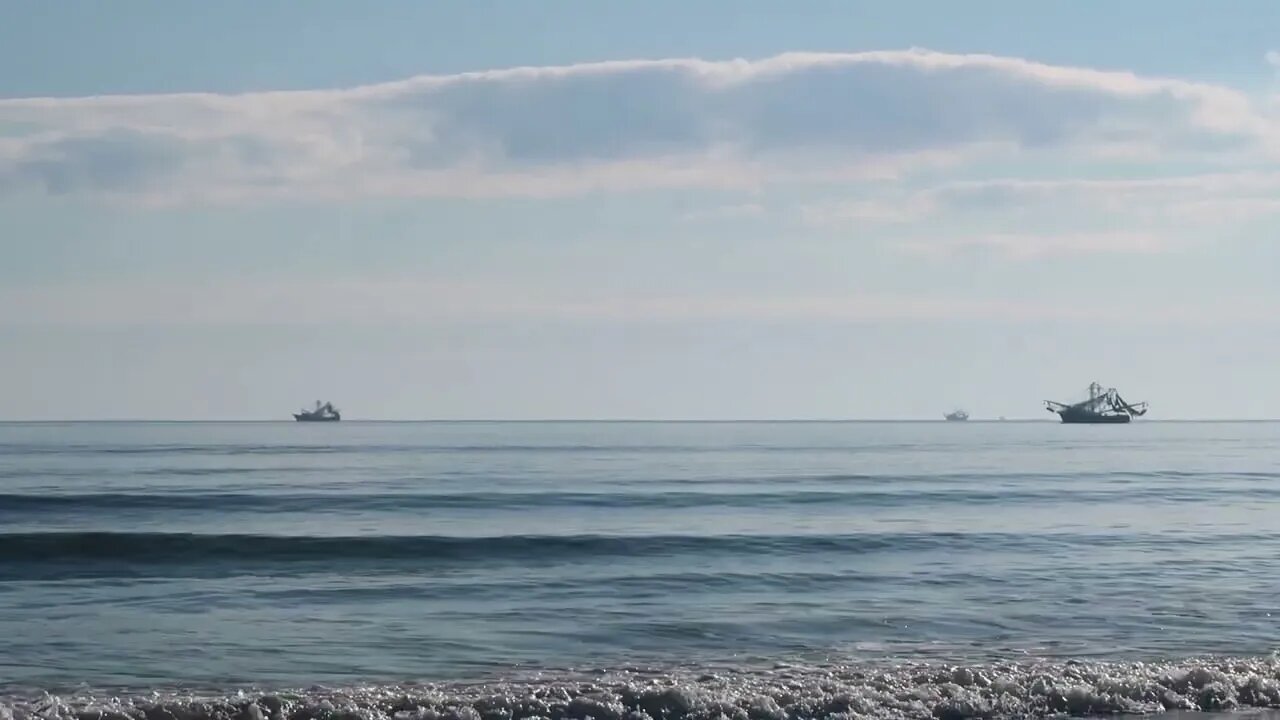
(650, 210)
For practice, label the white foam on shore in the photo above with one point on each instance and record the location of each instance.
(785, 692)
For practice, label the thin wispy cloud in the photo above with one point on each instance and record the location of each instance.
(737, 211)
(1036, 218)
(1031, 246)
(612, 126)
(399, 301)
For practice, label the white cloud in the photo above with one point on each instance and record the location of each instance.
(610, 126)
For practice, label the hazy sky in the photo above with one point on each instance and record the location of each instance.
(650, 209)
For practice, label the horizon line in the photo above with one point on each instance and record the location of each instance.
(995, 420)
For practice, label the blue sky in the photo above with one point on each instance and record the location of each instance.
(655, 210)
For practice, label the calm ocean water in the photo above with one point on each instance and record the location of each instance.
(637, 570)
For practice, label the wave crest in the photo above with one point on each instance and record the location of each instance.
(909, 691)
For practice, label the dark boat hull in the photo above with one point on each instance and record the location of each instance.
(312, 418)
(1088, 418)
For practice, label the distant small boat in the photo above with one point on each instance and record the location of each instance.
(957, 416)
(322, 413)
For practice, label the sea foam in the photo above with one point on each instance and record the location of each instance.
(790, 692)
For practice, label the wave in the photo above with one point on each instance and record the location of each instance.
(163, 547)
(52, 554)
(385, 448)
(1188, 480)
(24, 503)
(912, 691)
(854, 495)
(715, 448)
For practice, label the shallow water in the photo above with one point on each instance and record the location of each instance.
(793, 561)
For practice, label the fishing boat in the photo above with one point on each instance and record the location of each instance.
(322, 413)
(957, 415)
(1102, 407)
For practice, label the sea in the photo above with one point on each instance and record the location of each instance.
(638, 570)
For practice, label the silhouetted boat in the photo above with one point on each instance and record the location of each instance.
(957, 416)
(1103, 407)
(323, 413)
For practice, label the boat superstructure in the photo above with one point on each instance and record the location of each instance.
(322, 413)
(957, 415)
(1102, 407)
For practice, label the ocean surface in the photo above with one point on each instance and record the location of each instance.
(637, 571)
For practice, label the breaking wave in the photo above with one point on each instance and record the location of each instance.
(784, 692)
